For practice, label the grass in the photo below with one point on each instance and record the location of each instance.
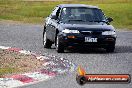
(35, 12)
(4, 71)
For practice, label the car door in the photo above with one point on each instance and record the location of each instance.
(48, 25)
(54, 23)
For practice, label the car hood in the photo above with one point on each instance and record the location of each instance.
(88, 27)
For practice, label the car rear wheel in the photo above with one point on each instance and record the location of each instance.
(110, 49)
(46, 42)
(59, 46)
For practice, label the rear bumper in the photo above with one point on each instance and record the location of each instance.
(79, 41)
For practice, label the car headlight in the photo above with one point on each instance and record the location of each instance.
(70, 31)
(109, 33)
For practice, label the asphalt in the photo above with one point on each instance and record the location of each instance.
(94, 61)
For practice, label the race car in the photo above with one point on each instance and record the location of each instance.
(78, 25)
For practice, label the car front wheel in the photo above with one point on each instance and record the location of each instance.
(46, 42)
(59, 46)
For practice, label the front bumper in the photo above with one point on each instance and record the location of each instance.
(79, 40)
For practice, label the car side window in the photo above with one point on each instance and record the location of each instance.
(56, 12)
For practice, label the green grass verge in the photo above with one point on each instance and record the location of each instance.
(35, 12)
(4, 71)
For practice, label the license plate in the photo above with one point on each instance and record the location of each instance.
(88, 39)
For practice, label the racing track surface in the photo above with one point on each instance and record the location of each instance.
(29, 37)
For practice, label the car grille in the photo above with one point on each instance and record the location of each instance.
(91, 33)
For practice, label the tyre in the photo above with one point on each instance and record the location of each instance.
(110, 49)
(59, 45)
(46, 42)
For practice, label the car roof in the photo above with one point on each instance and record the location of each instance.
(76, 5)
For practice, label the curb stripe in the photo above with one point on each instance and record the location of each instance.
(49, 73)
(14, 49)
(51, 62)
(37, 76)
(3, 47)
(25, 52)
(22, 78)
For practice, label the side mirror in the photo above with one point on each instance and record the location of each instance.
(109, 19)
(54, 17)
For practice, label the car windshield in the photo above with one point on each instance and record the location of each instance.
(81, 14)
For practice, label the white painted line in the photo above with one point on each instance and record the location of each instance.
(59, 70)
(39, 57)
(10, 83)
(25, 52)
(49, 63)
(3, 47)
(38, 76)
